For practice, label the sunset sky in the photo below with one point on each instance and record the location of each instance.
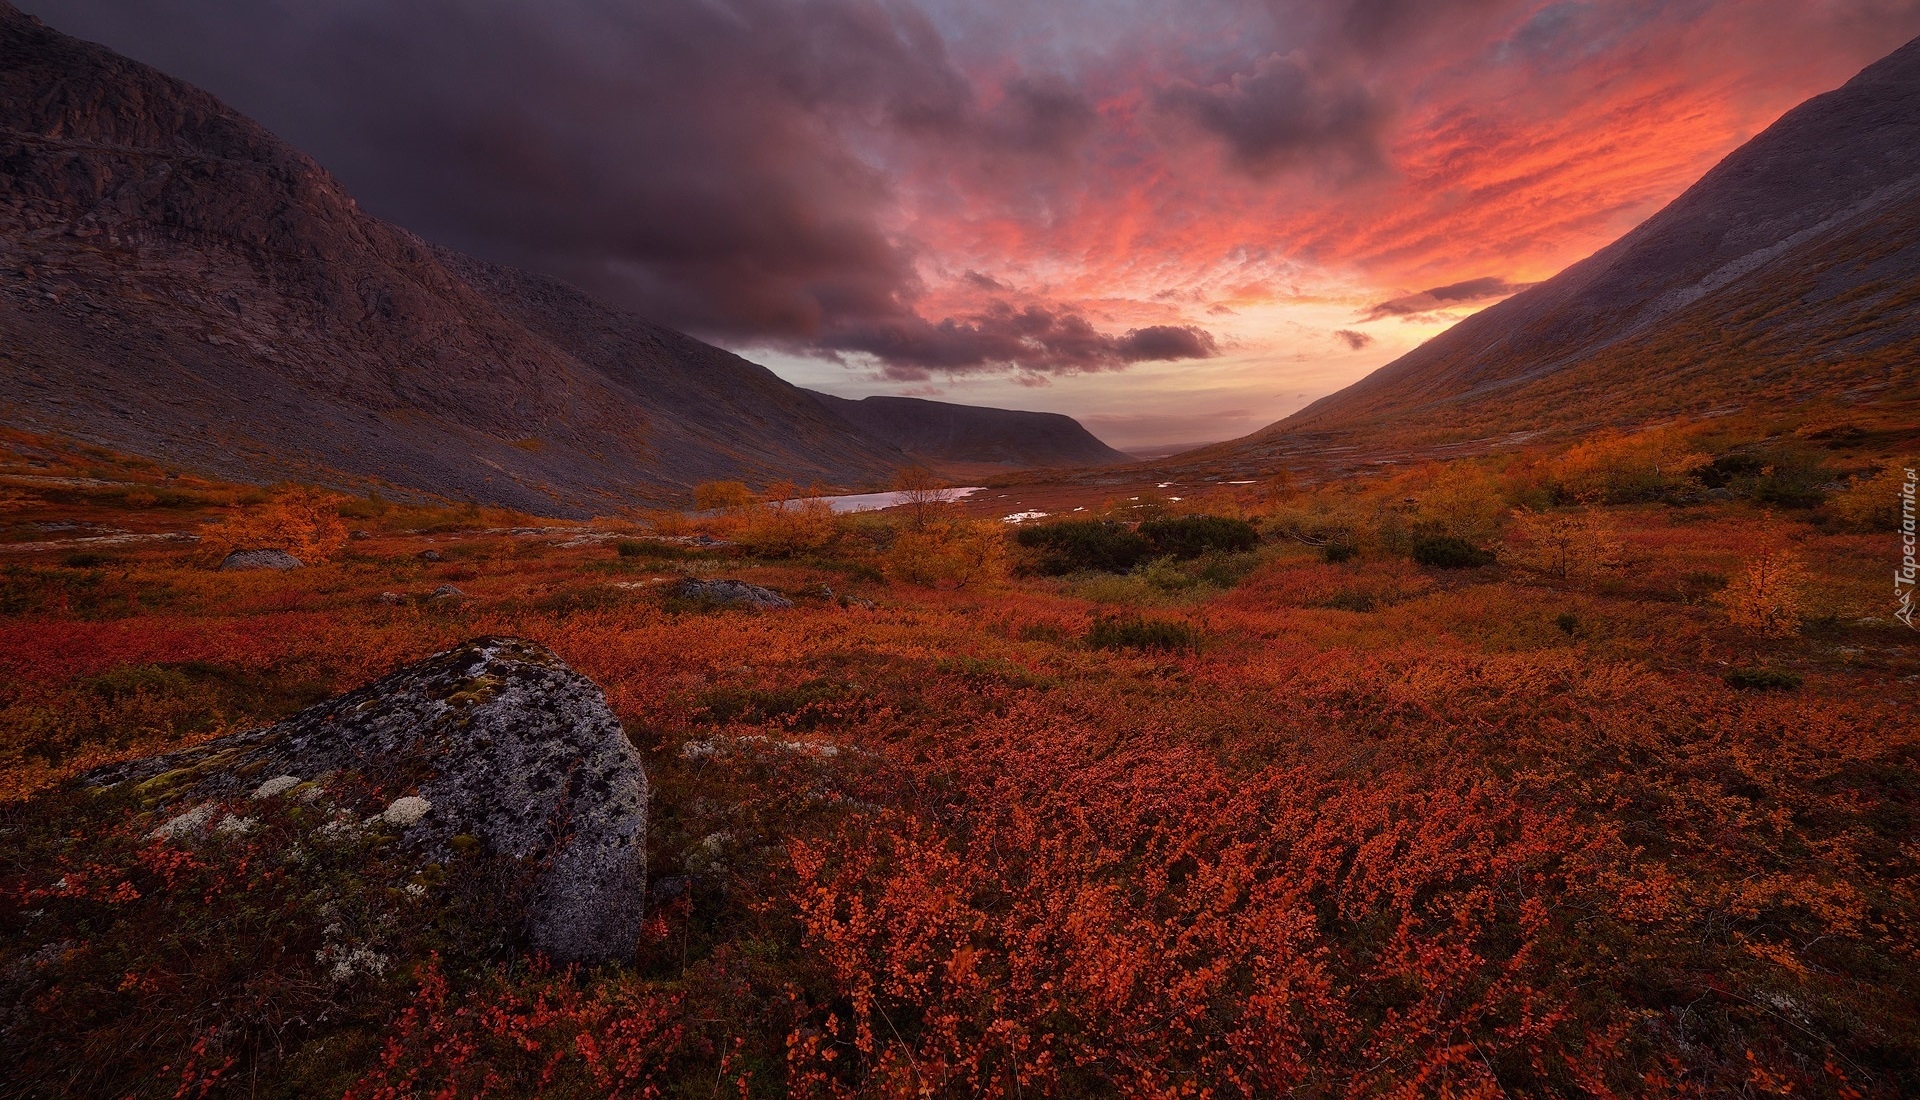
(1178, 220)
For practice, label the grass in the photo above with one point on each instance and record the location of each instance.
(1137, 632)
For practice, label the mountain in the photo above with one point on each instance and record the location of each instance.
(1790, 271)
(177, 282)
(938, 432)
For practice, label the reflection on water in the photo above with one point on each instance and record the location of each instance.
(869, 502)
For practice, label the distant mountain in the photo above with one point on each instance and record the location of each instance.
(1790, 271)
(178, 283)
(939, 432)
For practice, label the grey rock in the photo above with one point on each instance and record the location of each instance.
(446, 592)
(358, 536)
(430, 555)
(241, 560)
(731, 593)
(501, 741)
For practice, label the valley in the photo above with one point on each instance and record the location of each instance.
(421, 677)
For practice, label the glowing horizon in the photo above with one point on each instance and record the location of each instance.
(1177, 222)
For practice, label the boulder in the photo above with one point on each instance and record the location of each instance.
(446, 592)
(258, 559)
(728, 593)
(495, 740)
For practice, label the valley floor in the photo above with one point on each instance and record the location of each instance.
(1286, 821)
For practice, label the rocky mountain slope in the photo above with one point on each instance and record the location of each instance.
(1789, 272)
(179, 283)
(941, 432)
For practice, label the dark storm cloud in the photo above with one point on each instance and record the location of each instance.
(708, 163)
(695, 161)
(1380, 26)
(1464, 293)
(1166, 343)
(1280, 114)
(1354, 340)
(1034, 337)
(1042, 113)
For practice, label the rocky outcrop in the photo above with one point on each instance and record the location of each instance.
(497, 742)
(730, 593)
(180, 283)
(243, 560)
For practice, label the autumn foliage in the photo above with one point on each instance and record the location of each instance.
(305, 522)
(1262, 821)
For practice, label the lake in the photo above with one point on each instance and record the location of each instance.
(872, 502)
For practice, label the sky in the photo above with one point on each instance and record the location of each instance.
(1177, 220)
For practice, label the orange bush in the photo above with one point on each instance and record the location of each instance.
(305, 522)
(1766, 597)
(786, 524)
(1562, 544)
(956, 554)
(720, 496)
(1615, 467)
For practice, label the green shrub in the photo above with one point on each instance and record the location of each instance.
(1784, 476)
(1336, 552)
(1192, 536)
(1448, 552)
(1568, 622)
(1079, 545)
(1351, 599)
(1165, 574)
(1761, 679)
(1137, 632)
(1225, 570)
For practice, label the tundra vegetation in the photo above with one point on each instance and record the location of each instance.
(1580, 772)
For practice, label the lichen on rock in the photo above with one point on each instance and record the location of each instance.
(495, 741)
(731, 593)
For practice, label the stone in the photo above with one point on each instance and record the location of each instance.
(496, 742)
(359, 536)
(430, 555)
(258, 559)
(731, 593)
(446, 592)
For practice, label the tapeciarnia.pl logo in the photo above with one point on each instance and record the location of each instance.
(1905, 576)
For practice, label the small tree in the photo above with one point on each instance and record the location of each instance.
(1464, 502)
(787, 523)
(920, 492)
(1561, 545)
(1766, 597)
